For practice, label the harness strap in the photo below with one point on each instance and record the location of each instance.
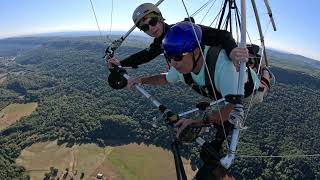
(211, 60)
(265, 82)
(249, 86)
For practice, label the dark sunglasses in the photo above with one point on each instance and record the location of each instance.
(176, 58)
(153, 21)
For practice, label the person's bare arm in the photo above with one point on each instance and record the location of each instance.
(214, 117)
(152, 80)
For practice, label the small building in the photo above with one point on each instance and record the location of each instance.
(99, 176)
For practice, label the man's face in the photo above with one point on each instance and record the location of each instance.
(152, 26)
(182, 63)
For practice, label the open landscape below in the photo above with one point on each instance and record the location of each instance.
(57, 110)
(12, 113)
(125, 162)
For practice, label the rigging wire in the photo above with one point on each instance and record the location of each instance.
(201, 8)
(214, 20)
(95, 16)
(207, 69)
(208, 11)
(225, 24)
(111, 18)
(281, 156)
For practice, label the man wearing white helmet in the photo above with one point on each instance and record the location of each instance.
(148, 18)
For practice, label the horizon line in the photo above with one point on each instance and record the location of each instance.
(136, 33)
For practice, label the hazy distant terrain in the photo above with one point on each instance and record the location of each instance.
(294, 62)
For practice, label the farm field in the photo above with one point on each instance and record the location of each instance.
(14, 112)
(127, 162)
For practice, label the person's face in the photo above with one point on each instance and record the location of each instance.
(152, 26)
(182, 63)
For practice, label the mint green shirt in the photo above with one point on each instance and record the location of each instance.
(225, 76)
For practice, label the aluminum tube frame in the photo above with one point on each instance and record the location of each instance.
(266, 2)
(145, 93)
(253, 2)
(180, 172)
(197, 109)
(228, 159)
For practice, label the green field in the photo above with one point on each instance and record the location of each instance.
(12, 113)
(127, 162)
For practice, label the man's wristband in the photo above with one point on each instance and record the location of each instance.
(205, 119)
(141, 81)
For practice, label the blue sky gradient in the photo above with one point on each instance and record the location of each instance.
(298, 27)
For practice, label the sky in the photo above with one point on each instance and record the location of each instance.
(296, 20)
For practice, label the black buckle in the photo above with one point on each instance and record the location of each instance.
(234, 99)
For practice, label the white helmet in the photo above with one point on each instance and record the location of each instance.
(143, 10)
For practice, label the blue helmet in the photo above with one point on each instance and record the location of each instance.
(181, 39)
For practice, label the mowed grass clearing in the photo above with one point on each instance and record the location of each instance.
(12, 113)
(127, 162)
(146, 162)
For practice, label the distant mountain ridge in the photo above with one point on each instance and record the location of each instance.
(294, 57)
(137, 39)
(277, 52)
(79, 34)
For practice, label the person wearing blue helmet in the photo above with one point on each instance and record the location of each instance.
(182, 45)
(148, 18)
(184, 41)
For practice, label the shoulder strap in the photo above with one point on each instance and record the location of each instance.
(190, 82)
(188, 79)
(211, 60)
